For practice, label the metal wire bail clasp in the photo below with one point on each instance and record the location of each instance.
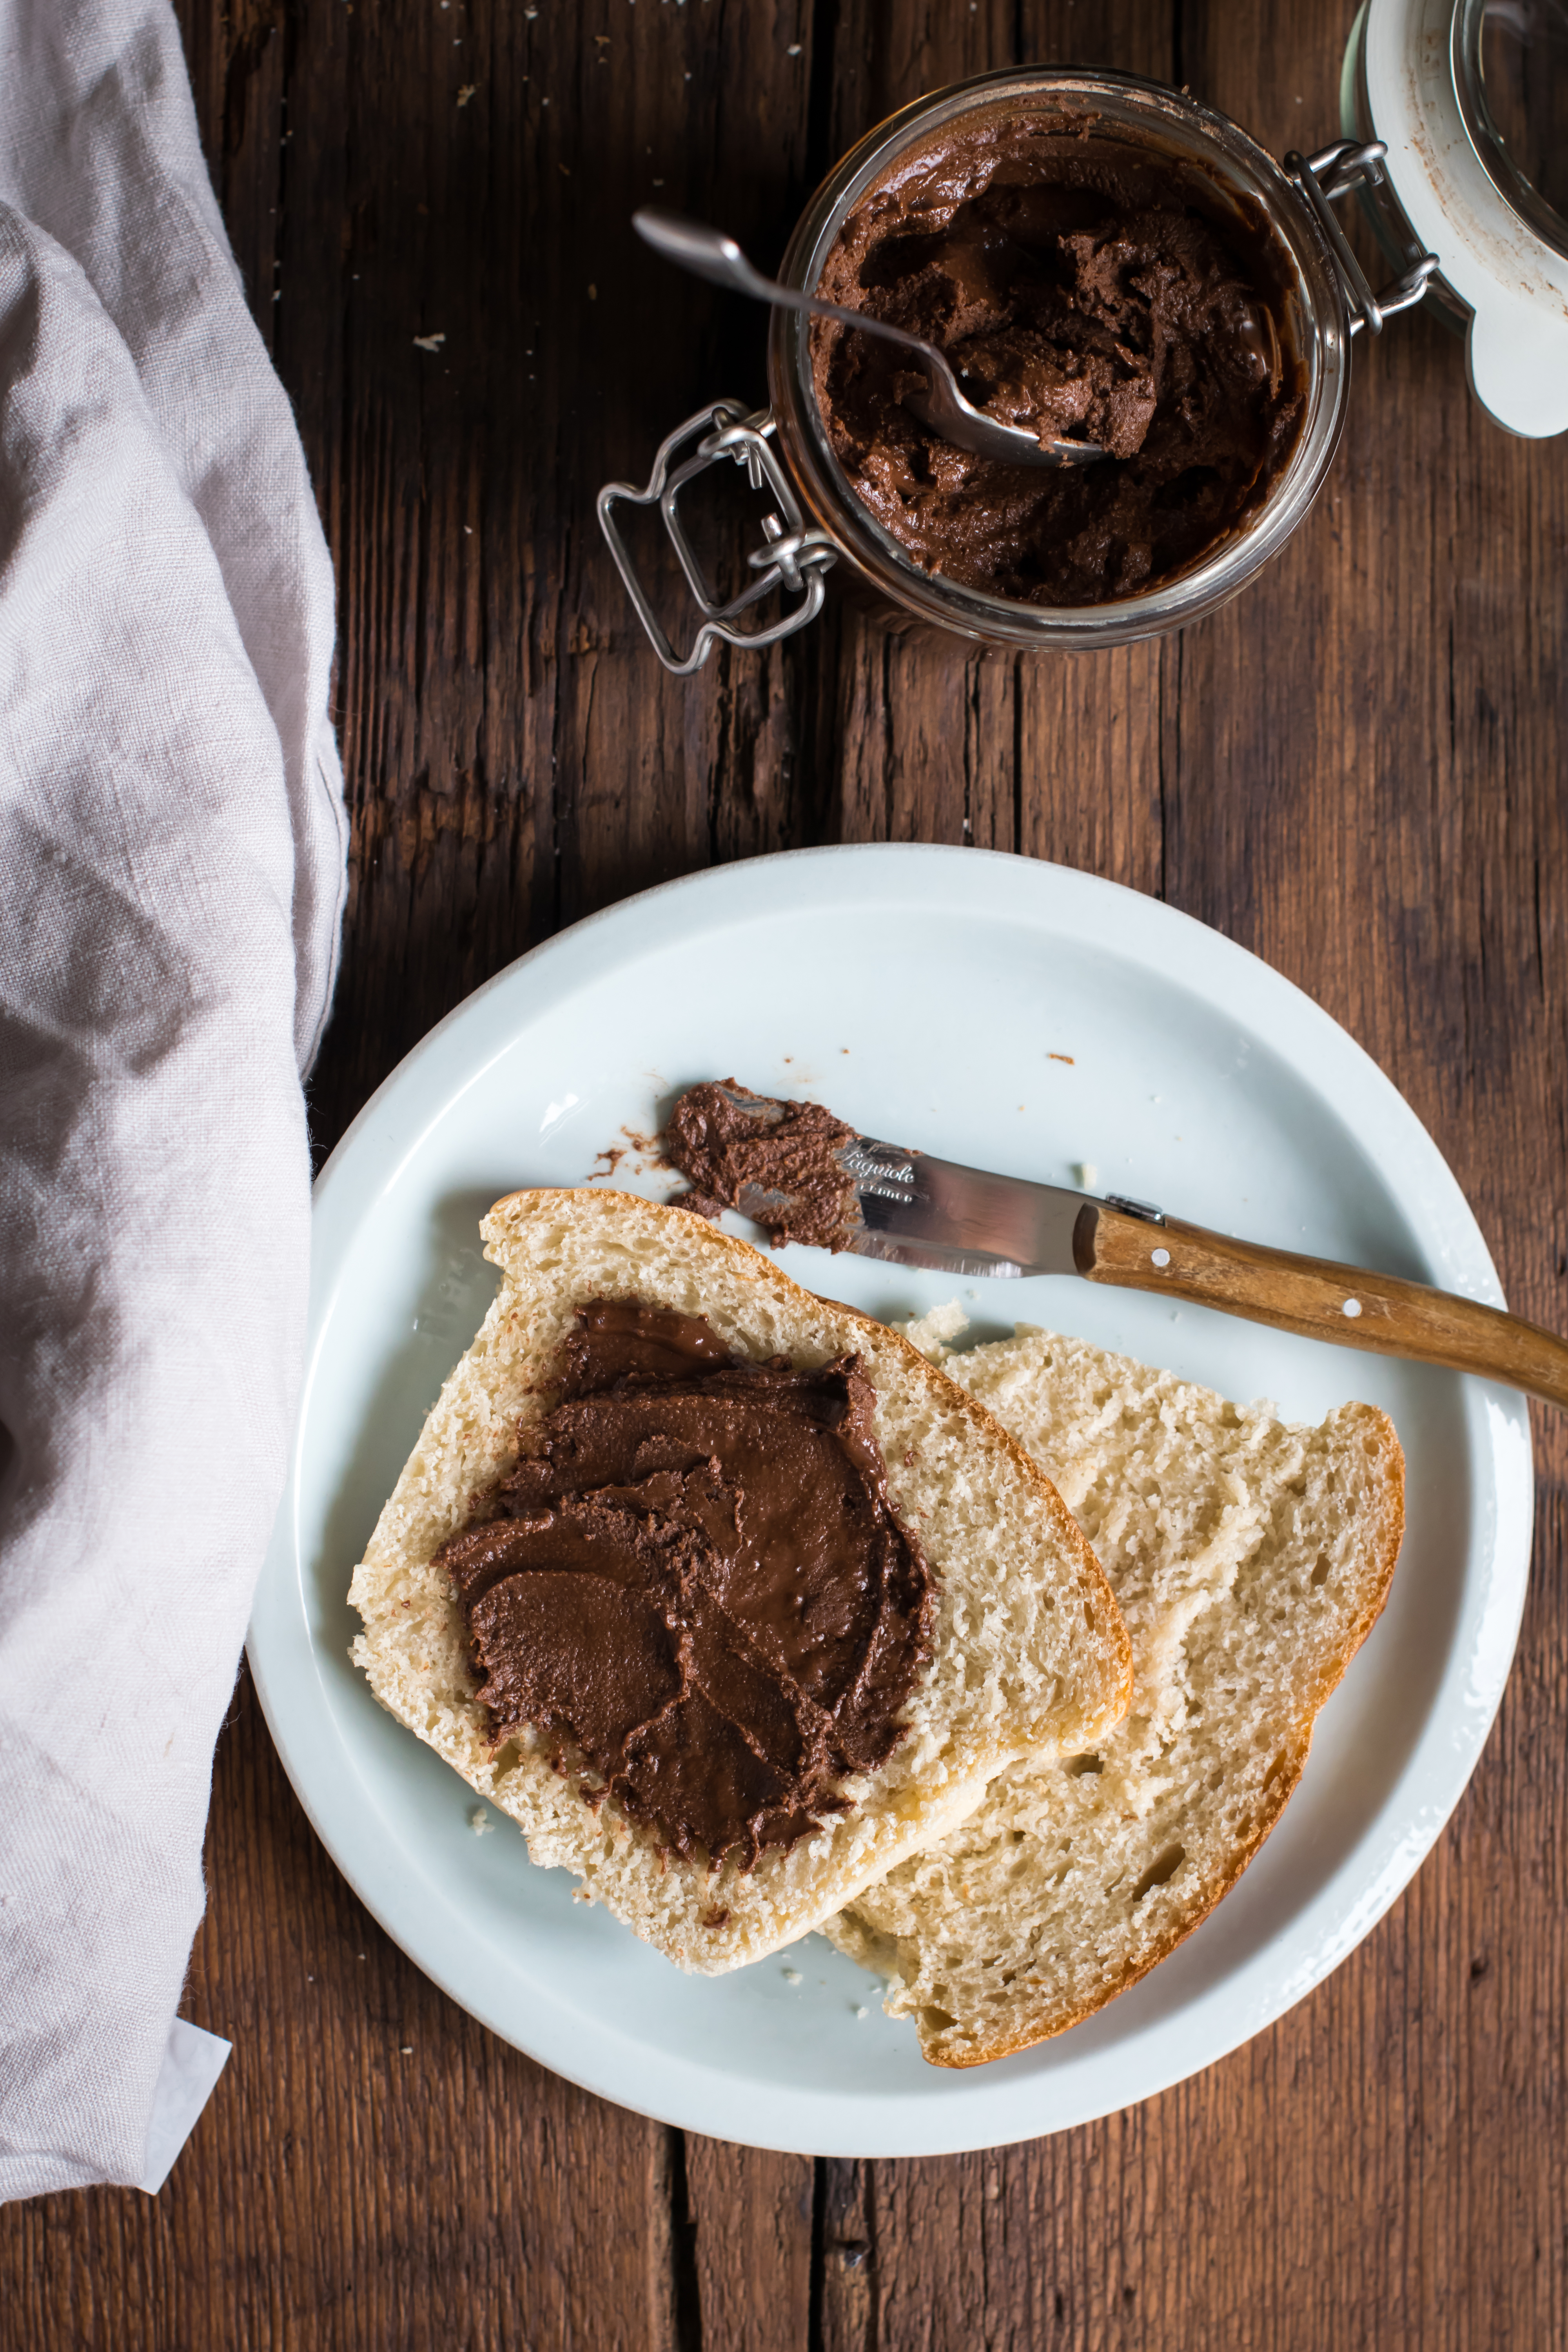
(793, 557)
(1333, 172)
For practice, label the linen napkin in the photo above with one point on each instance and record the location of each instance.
(171, 860)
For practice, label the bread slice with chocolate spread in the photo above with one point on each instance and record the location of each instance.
(1017, 1649)
(1250, 1560)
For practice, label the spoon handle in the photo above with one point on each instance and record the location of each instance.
(691, 244)
(708, 253)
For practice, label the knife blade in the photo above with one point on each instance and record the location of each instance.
(917, 1210)
(914, 1209)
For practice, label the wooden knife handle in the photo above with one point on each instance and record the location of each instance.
(1324, 1301)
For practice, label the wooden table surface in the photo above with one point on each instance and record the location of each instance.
(1356, 770)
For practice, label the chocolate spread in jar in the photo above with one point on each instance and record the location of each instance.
(696, 1586)
(782, 1157)
(1085, 286)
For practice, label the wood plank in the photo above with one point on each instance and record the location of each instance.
(1415, 902)
(751, 2247)
(851, 2281)
(515, 757)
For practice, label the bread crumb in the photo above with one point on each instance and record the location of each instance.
(933, 1333)
(790, 1976)
(479, 1821)
(1088, 1175)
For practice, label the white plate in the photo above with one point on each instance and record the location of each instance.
(1021, 1017)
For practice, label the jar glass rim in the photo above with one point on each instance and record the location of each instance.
(1467, 53)
(1239, 168)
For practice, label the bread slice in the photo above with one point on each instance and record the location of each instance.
(1029, 1652)
(1250, 1560)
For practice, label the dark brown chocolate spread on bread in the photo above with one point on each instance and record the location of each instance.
(1083, 286)
(696, 1586)
(784, 1156)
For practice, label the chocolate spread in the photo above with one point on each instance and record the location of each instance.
(1083, 286)
(781, 1156)
(696, 1586)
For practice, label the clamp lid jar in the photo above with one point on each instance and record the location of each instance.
(1468, 100)
(1317, 299)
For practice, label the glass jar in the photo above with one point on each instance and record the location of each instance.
(817, 520)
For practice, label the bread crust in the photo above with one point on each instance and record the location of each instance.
(950, 1463)
(1368, 1444)
(1279, 1794)
(1027, 2037)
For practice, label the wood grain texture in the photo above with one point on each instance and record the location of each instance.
(750, 2217)
(1353, 1306)
(1356, 770)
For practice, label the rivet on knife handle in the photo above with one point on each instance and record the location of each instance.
(1324, 1301)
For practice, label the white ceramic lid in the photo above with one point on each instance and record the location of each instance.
(1512, 280)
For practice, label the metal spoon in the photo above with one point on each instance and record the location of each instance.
(711, 254)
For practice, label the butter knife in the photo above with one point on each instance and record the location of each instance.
(921, 1211)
